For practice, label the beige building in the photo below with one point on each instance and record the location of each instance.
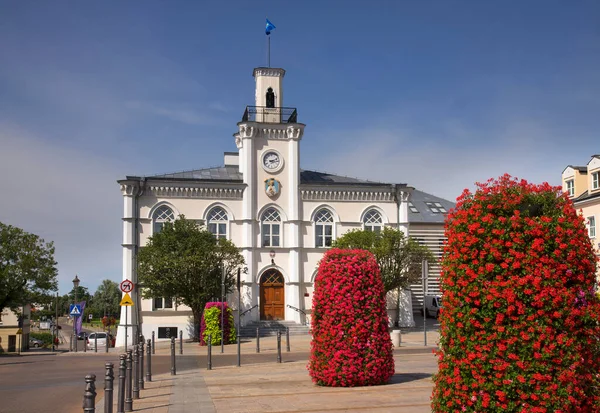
(582, 184)
(14, 329)
(281, 217)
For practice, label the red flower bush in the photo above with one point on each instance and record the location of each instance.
(351, 343)
(519, 326)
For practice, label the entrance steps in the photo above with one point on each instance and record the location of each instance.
(270, 328)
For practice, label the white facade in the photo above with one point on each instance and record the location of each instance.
(281, 217)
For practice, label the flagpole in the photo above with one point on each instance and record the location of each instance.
(268, 51)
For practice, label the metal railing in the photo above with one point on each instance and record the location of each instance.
(263, 114)
(299, 311)
(248, 310)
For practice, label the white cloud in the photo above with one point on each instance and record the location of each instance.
(177, 114)
(445, 167)
(67, 196)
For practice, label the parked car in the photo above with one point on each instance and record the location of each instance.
(82, 335)
(102, 337)
(433, 305)
(35, 343)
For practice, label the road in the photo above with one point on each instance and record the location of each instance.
(52, 383)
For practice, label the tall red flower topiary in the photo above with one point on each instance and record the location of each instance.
(351, 343)
(519, 324)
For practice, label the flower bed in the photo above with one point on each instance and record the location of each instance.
(519, 327)
(351, 343)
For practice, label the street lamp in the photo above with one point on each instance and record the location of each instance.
(75, 287)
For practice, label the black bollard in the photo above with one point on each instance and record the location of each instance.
(122, 377)
(107, 343)
(149, 361)
(85, 340)
(153, 347)
(278, 346)
(173, 369)
(89, 396)
(142, 364)
(108, 387)
(96, 342)
(287, 339)
(209, 356)
(129, 383)
(257, 340)
(181, 342)
(239, 349)
(136, 372)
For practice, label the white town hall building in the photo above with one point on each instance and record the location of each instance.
(280, 216)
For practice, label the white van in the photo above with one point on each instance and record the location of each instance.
(91, 340)
(433, 304)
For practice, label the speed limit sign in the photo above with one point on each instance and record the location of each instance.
(126, 286)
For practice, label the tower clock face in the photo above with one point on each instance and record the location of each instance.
(272, 161)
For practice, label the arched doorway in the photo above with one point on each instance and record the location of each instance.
(272, 302)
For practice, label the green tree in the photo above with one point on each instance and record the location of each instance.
(106, 299)
(185, 261)
(27, 267)
(399, 257)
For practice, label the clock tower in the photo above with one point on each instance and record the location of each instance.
(268, 141)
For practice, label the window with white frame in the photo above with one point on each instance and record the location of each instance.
(595, 180)
(591, 224)
(570, 184)
(372, 221)
(436, 207)
(323, 228)
(271, 228)
(413, 208)
(163, 303)
(162, 214)
(217, 222)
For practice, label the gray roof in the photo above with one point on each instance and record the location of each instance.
(316, 178)
(222, 173)
(418, 199)
(585, 196)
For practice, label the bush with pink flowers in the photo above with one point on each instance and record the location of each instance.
(211, 324)
(351, 343)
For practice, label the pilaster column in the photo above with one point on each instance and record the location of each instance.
(245, 141)
(130, 192)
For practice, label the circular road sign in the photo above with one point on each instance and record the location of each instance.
(126, 286)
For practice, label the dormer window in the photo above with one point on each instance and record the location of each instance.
(570, 184)
(436, 207)
(270, 98)
(595, 180)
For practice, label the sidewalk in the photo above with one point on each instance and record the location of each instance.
(286, 386)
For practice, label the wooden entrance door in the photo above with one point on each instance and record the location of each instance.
(272, 303)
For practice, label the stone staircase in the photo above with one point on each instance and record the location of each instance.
(270, 328)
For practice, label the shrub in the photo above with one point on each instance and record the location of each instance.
(519, 327)
(351, 343)
(45, 337)
(211, 324)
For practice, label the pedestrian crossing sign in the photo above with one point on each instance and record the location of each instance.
(75, 310)
(126, 301)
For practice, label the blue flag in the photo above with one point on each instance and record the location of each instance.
(270, 26)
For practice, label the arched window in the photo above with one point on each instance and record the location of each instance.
(270, 228)
(270, 98)
(323, 228)
(162, 214)
(372, 221)
(217, 222)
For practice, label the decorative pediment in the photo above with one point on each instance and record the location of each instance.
(187, 192)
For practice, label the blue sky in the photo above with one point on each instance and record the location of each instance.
(437, 94)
